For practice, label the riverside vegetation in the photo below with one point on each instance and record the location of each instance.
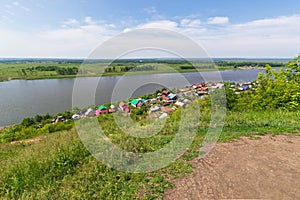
(52, 68)
(57, 166)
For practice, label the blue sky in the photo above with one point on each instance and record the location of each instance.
(228, 28)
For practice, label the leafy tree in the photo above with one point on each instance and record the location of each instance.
(24, 72)
(27, 122)
(293, 69)
(275, 89)
(38, 118)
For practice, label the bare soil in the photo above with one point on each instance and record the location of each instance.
(266, 168)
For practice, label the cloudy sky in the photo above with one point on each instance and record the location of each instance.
(224, 28)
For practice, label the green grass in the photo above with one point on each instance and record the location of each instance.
(59, 166)
(13, 70)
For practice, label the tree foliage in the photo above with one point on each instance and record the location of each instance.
(275, 90)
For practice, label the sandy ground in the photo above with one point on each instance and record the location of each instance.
(268, 168)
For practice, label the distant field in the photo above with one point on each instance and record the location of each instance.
(47, 69)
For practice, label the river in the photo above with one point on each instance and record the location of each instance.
(26, 98)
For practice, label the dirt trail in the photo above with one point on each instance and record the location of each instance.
(268, 168)
(27, 140)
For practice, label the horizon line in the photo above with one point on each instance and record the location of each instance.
(135, 58)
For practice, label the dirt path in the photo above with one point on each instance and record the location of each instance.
(268, 168)
(37, 139)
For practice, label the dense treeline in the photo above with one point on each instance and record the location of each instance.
(187, 67)
(67, 71)
(237, 64)
(45, 68)
(58, 70)
(130, 68)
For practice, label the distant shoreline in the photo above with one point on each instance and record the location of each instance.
(128, 74)
(55, 68)
(113, 74)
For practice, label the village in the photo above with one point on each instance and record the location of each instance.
(164, 101)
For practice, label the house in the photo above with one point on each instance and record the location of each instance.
(166, 109)
(89, 113)
(154, 109)
(179, 104)
(124, 107)
(245, 87)
(164, 97)
(102, 110)
(136, 103)
(112, 109)
(200, 93)
(75, 117)
(195, 86)
(60, 119)
(165, 92)
(98, 112)
(172, 96)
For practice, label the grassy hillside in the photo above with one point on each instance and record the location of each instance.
(57, 165)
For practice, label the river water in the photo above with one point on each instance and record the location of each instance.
(26, 98)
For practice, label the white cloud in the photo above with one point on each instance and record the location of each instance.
(19, 5)
(15, 7)
(16, 3)
(154, 14)
(111, 25)
(218, 20)
(190, 23)
(279, 36)
(165, 24)
(272, 37)
(73, 39)
(126, 30)
(88, 20)
(185, 22)
(70, 22)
